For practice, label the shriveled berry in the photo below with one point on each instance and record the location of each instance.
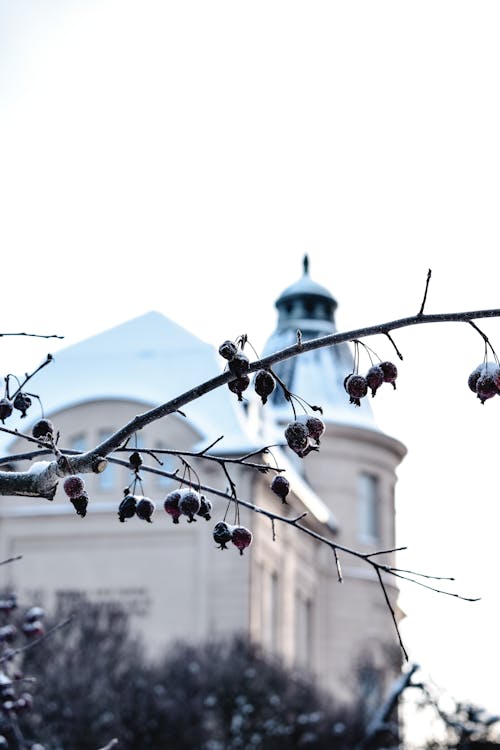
(5, 408)
(171, 505)
(222, 534)
(474, 377)
(42, 429)
(80, 504)
(238, 385)
(145, 509)
(297, 437)
(205, 508)
(390, 372)
(241, 538)
(357, 388)
(315, 428)
(22, 403)
(264, 384)
(135, 460)
(239, 364)
(189, 503)
(280, 486)
(73, 486)
(34, 613)
(374, 378)
(127, 507)
(228, 349)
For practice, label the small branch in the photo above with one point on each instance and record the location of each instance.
(394, 344)
(387, 552)
(391, 609)
(11, 560)
(48, 359)
(487, 342)
(429, 274)
(34, 335)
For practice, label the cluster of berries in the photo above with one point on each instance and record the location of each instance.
(224, 533)
(485, 380)
(238, 364)
(357, 385)
(303, 437)
(21, 402)
(135, 505)
(12, 701)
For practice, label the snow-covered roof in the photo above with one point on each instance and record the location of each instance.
(149, 359)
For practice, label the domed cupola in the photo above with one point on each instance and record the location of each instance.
(316, 376)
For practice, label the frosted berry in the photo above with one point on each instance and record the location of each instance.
(42, 429)
(297, 437)
(145, 509)
(171, 505)
(474, 377)
(228, 350)
(80, 504)
(486, 387)
(264, 384)
(241, 538)
(135, 461)
(374, 378)
(390, 372)
(205, 508)
(73, 486)
(222, 534)
(315, 428)
(22, 403)
(239, 364)
(238, 385)
(189, 503)
(8, 633)
(33, 629)
(357, 388)
(280, 486)
(5, 408)
(34, 613)
(8, 605)
(127, 507)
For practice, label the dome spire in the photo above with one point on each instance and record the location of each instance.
(306, 305)
(305, 262)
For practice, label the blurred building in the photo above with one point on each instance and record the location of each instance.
(284, 591)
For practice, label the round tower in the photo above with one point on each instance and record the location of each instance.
(354, 474)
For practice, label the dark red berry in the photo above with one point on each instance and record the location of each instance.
(239, 364)
(189, 503)
(205, 508)
(315, 428)
(5, 409)
(145, 509)
(73, 486)
(280, 486)
(238, 385)
(474, 377)
(390, 372)
(22, 403)
(297, 437)
(42, 429)
(357, 388)
(80, 504)
(222, 534)
(135, 460)
(228, 350)
(374, 378)
(241, 538)
(264, 384)
(33, 629)
(127, 507)
(486, 387)
(171, 505)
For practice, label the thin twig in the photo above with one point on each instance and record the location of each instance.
(35, 641)
(429, 274)
(34, 335)
(391, 609)
(394, 344)
(337, 563)
(11, 559)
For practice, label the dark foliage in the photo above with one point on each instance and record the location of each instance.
(94, 683)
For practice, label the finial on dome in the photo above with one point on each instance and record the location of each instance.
(306, 265)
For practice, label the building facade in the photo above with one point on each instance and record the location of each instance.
(284, 591)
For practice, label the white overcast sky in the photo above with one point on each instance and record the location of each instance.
(183, 156)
